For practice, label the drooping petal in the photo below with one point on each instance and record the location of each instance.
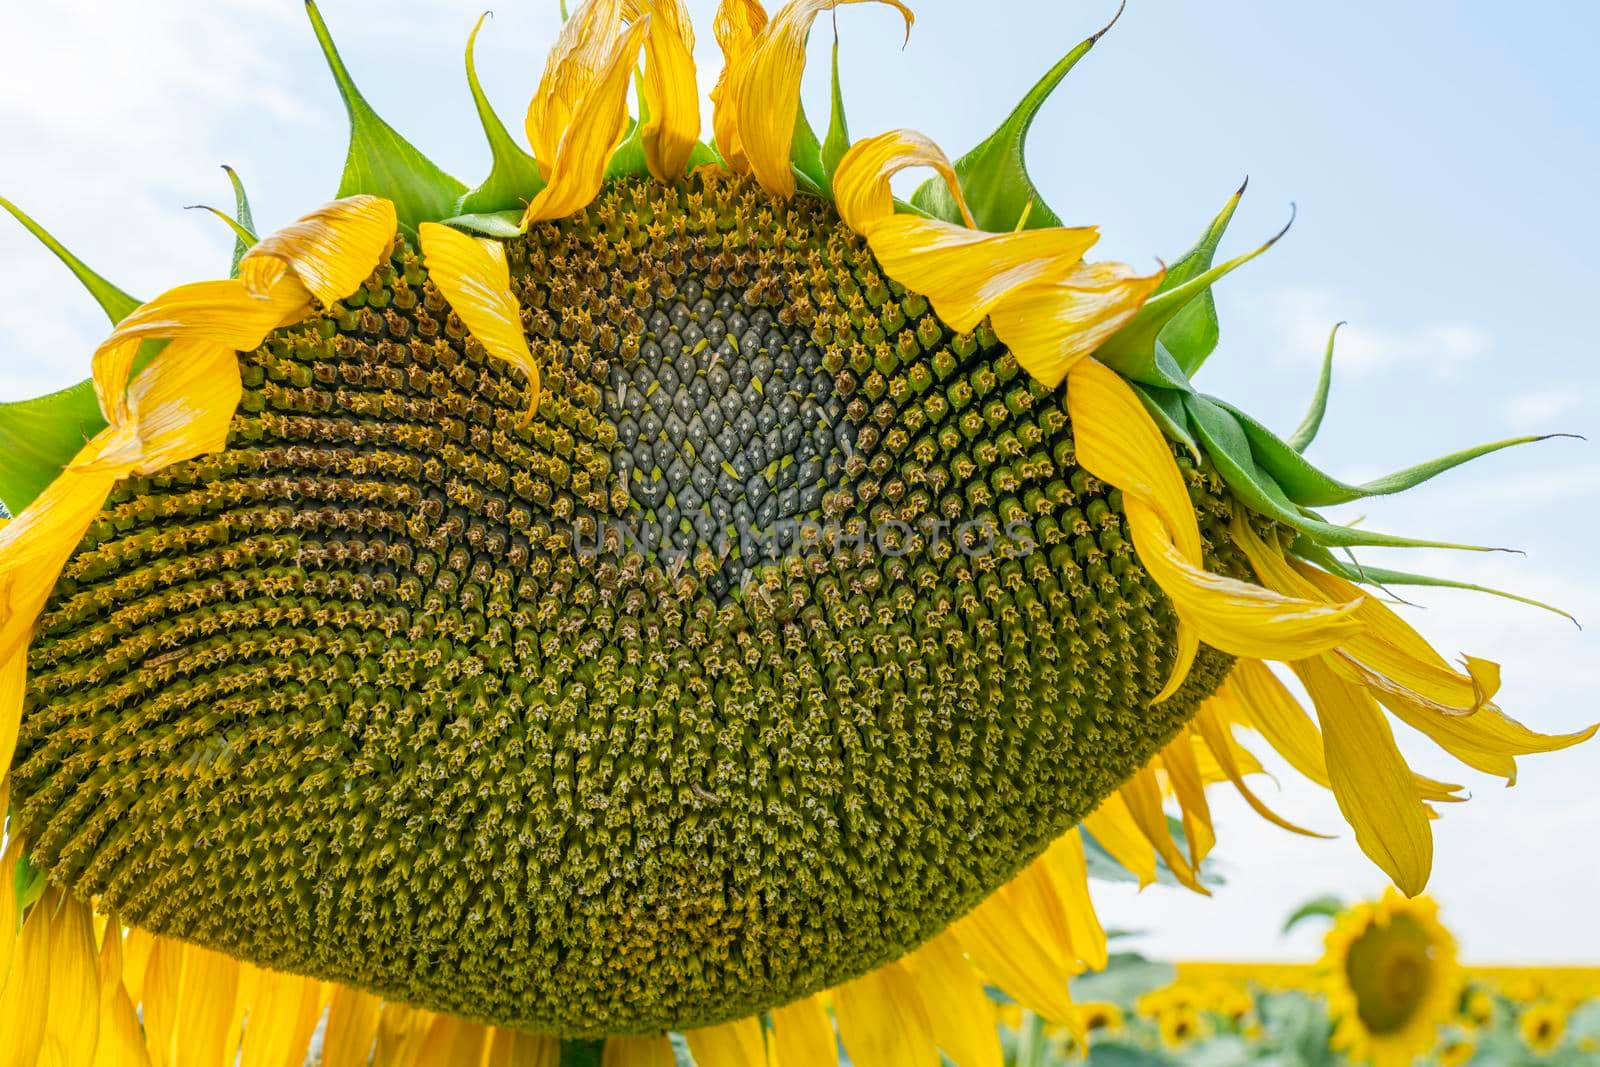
(1113, 828)
(352, 1027)
(1274, 712)
(882, 1021)
(159, 999)
(738, 24)
(1069, 873)
(577, 62)
(765, 90)
(960, 1013)
(72, 1027)
(638, 1052)
(735, 1044)
(1369, 777)
(670, 95)
(996, 941)
(121, 1042)
(208, 992)
(1222, 746)
(1053, 325)
(518, 1048)
(401, 1032)
(331, 251)
(1487, 739)
(473, 275)
(1143, 796)
(283, 1015)
(1183, 775)
(861, 184)
(578, 169)
(13, 686)
(8, 898)
(25, 994)
(453, 1042)
(803, 1035)
(179, 407)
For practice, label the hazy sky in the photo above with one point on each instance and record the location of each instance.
(1443, 156)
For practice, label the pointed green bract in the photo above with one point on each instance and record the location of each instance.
(1306, 432)
(994, 175)
(627, 159)
(514, 177)
(1193, 333)
(1228, 447)
(1166, 407)
(241, 214)
(242, 238)
(837, 142)
(39, 436)
(503, 224)
(113, 301)
(381, 162)
(805, 152)
(1139, 351)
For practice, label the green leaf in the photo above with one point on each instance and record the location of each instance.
(1306, 485)
(514, 177)
(1380, 577)
(627, 160)
(1127, 977)
(113, 301)
(1191, 336)
(837, 143)
(39, 436)
(1228, 446)
(1327, 907)
(381, 162)
(1138, 350)
(1112, 1052)
(1306, 432)
(805, 152)
(1166, 407)
(994, 175)
(241, 214)
(503, 224)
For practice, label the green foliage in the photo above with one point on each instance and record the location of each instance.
(244, 220)
(1327, 907)
(380, 161)
(514, 177)
(1191, 335)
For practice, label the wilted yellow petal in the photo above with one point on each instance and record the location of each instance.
(453, 1042)
(670, 96)
(578, 60)
(25, 994)
(1370, 779)
(208, 991)
(283, 1014)
(1113, 828)
(578, 168)
(159, 1002)
(1485, 740)
(401, 1032)
(8, 901)
(738, 24)
(473, 275)
(802, 1035)
(331, 251)
(1143, 796)
(1183, 772)
(137, 947)
(72, 1026)
(960, 1013)
(996, 941)
(861, 189)
(735, 1044)
(765, 90)
(1275, 713)
(1052, 326)
(638, 1052)
(1069, 873)
(121, 1041)
(517, 1048)
(1222, 746)
(13, 687)
(223, 312)
(179, 407)
(882, 1021)
(352, 1028)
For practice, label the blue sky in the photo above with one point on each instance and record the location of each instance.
(1442, 156)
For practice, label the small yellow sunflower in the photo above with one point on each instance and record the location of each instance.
(1542, 1026)
(1099, 1017)
(1179, 1025)
(1391, 978)
(672, 586)
(1481, 1007)
(1455, 1052)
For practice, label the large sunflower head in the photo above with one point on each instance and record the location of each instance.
(1392, 979)
(669, 586)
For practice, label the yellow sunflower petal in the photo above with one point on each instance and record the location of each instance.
(738, 24)
(1485, 740)
(670, 95)
(765, 90)
(1143, 796)
(1054, 325)
(639, 1052)
(8, 900)
(25, 994)
(72, 1025)
(1069, 872)
(121, 1042)
(473, 275)
(960, 1014)
(283, 1015)
(13, 686)
(578, 168)
(802, 1035)
(179, 407)
(453, 1042)
(401, 1031)
(735, 1044)
(1275, 714)
(208, 991)
(1005, 950)
(222, 312)
(1222, 746)
(517, 1048)
(331, 251)
(159, 998)
(861, 184)
(576, 63)
(882, 1021)
(1369, 778)
(1113, 828)
(1183, 773)
(352, 1028)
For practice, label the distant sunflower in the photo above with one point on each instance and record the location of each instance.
(667, 587)
(1542, 1026)
(1392, 980)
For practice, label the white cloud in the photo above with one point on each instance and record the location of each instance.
(1538, 409)
(1302, 318)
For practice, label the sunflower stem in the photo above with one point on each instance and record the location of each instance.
(1030, 1041)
